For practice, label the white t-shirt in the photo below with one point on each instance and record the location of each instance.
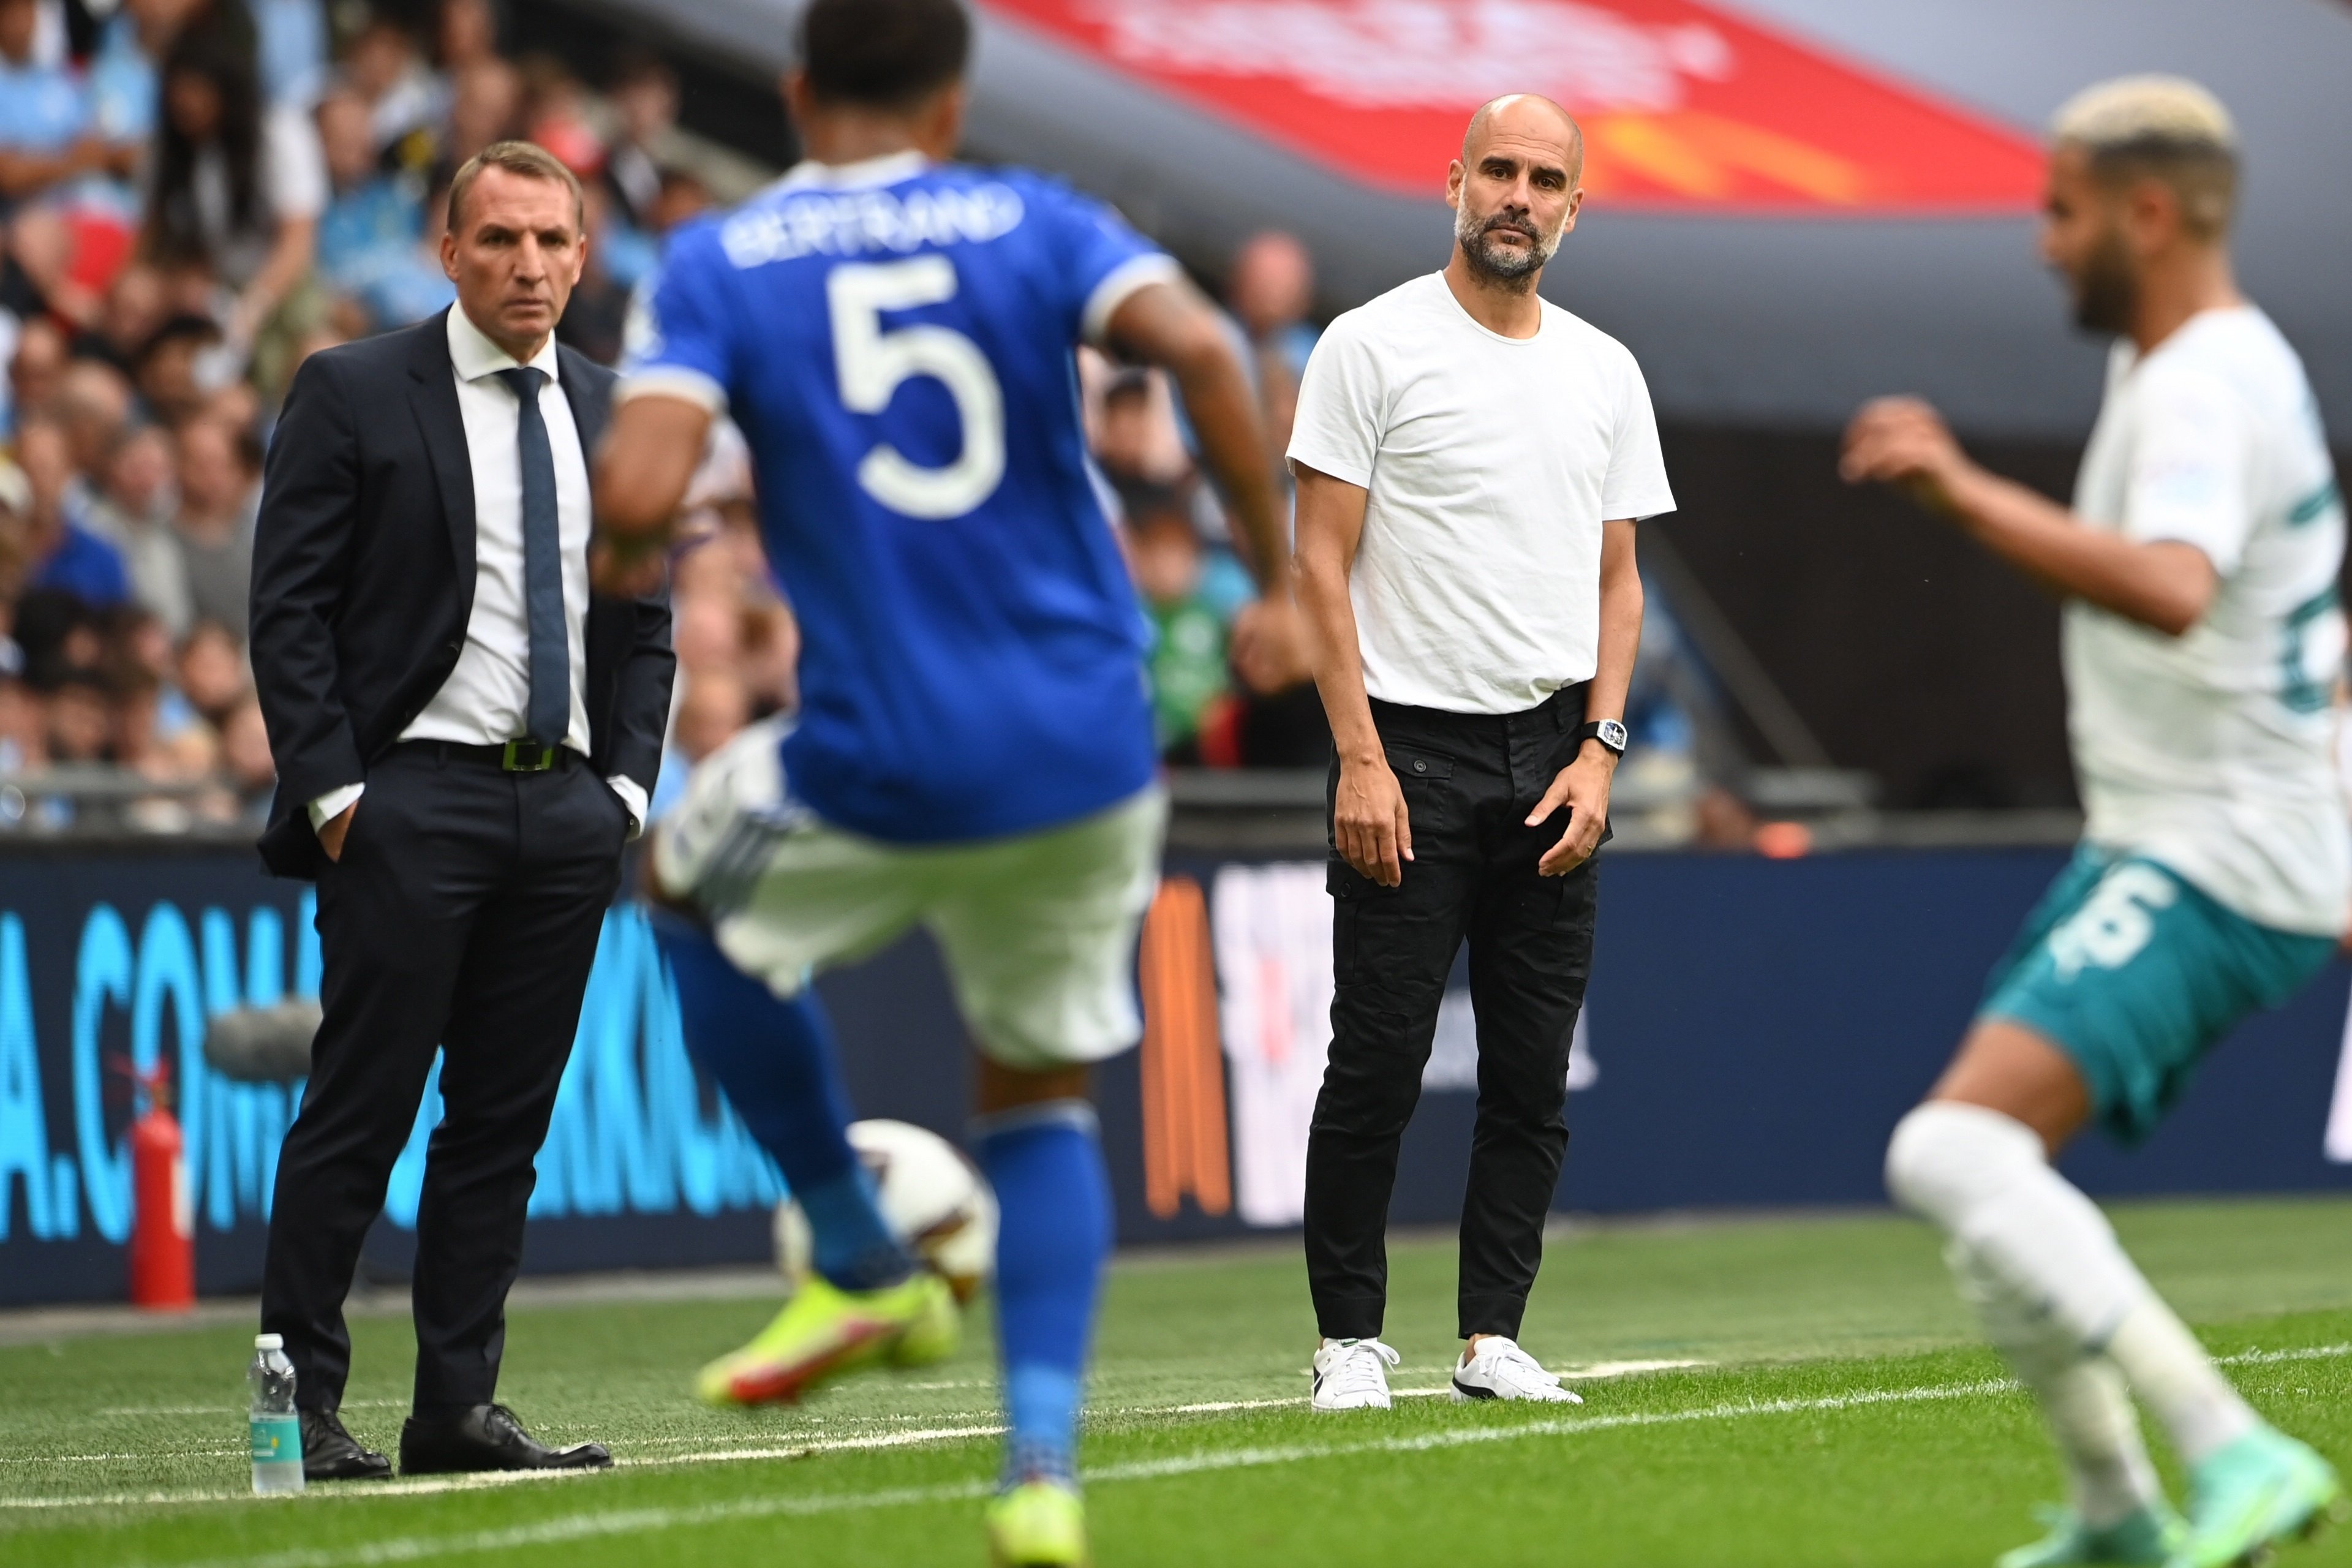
(2210, 752)
(1492, 463)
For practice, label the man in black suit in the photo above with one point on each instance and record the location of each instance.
(465, 739)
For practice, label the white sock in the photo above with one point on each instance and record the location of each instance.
(1982, 1177)
(2083, 1398)
(2182, 1387)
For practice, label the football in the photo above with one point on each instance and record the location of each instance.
(933, 1197)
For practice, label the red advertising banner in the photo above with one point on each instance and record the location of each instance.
(1684, 106)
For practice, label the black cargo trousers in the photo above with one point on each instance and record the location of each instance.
(1469, 781)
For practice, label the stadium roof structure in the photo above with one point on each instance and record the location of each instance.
(1794, 205)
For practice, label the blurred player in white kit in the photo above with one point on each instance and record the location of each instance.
(2203, 639)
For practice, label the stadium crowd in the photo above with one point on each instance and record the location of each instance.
(194, 194)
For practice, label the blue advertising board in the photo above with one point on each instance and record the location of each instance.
(1755, 1030)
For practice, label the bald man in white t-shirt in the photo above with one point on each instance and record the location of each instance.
(1471, 464)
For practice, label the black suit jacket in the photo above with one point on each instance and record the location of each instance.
(364, 577)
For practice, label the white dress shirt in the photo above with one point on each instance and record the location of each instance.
(485, 700)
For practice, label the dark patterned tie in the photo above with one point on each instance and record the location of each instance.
(550, 714)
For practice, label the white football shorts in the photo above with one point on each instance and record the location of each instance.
(1038, 930)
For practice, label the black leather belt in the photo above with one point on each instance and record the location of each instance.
(523, 757)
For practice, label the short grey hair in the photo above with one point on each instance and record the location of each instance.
(528, 159)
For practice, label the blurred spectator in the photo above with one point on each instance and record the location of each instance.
(598, 312)
(644, 96)
(58, 554)
(15, 523)
(555, 115)
(81, 719)
(213, 673)
(132, 511)
(1190, 682)
(1135, 438)
(124, 71)
(486, 106)
(373, 244)
(39, 365)
(405, 102)
(1270, 290)
(135, 304)
(683, 196)
(220, 492)
(93, 405)
(171, 369)
(291, 43)
(169, 737)
(239, 188)
(24, 726)
(466, 34)
(48, 134)
(63, 251)
(56, 636)
(188, 205)
(245, 757)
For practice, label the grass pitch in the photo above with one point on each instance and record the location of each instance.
(1796, 1391)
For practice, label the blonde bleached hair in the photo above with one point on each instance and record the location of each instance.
(2162, 127)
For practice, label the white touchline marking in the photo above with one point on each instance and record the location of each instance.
(634, 1521)
(594, 1524)
(233, 1407)
(2265, 1358)
(1598, 1370)
(115, 1458)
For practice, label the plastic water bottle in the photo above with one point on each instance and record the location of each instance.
(276, 1428)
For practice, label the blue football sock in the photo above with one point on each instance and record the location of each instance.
(1053, 1198)
(775, 1060)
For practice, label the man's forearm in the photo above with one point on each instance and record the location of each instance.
(2156, 584)
(1620, 625)
(1224, 416)
(641, 475)
(1337, 665)
(1621, 642)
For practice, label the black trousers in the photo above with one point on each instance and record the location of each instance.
(1469, 782)
(463, 915)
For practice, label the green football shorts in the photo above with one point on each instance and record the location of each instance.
(2135, 975)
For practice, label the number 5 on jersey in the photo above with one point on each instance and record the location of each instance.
(870, 362)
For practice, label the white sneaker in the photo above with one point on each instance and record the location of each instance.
(1501, 1370)
(1352, 1374)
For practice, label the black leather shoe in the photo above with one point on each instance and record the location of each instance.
(487, 1437)
(331, 1453)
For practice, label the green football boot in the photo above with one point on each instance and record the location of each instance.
(2263, 1488)
(1040, 1524)
(2150, 1536)
(824, 1331)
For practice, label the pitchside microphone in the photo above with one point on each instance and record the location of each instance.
(264, 1044)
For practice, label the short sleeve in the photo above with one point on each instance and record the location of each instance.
(296, 166)
(1635, 485)
(2191, 450)
(1104, 260)
(1342, 407)
(679, 335)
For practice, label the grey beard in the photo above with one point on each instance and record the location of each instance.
(1513, 269)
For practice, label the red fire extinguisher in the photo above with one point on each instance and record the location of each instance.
(163, 1219)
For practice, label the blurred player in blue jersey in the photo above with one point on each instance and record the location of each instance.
(2203, 641)
(895, 335)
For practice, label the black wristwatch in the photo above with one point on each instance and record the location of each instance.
(1608, 731)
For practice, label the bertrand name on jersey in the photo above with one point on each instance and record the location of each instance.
(853, 222)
